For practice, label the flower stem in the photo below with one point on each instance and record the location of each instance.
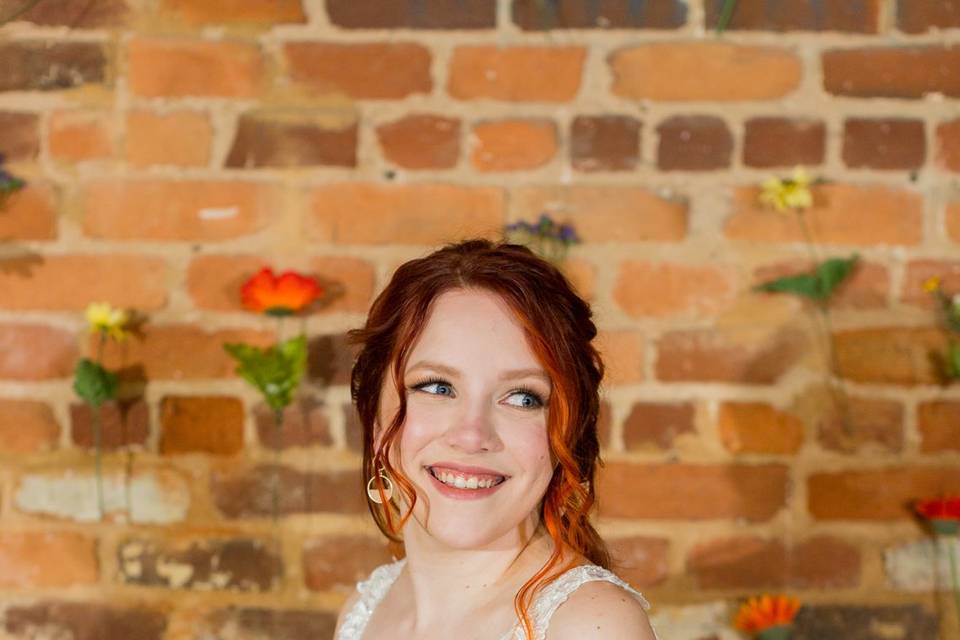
(97, 437)
(726, 12)
(954, 581)
(278, 428)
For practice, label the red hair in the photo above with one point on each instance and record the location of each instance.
(559, 328)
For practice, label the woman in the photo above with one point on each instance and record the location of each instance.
(477, 388)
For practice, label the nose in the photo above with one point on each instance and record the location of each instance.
(473, 431)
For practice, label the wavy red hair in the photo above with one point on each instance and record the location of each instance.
(559, 327)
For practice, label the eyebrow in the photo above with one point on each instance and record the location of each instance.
(513, 374)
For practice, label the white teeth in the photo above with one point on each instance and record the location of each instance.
(463, 482)
(472, 483)
(460, 482)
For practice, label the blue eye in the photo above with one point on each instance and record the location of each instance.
(530, 399)
(439, 384)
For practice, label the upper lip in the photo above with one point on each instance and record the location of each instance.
(467, 469)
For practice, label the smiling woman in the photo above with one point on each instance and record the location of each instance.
(477, 386)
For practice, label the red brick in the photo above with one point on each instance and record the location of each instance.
(304, 424)
(860, 16)
(169, 210)
(249, 493)
(71, 13)
(364, 213)
(640, 560)
(71, 282)
(868, 287)
(623, 356)
(44, 65)
(249, 623)
(44, 559)
(604, 143)
(180, 68)
(330, 359)
(889, 355)
(516, 74)
(693, 143)
(783, 142)
(841, 214)
(201, 424)
(80, 135)
(19, 135)
(755, 427)
(412, 14)
(948, 145)
(939, 424)
(917, 272)
(292, 139)
(386, 71)
(876, 494)
(657, 424)
(121, 425)
(918, 16)
(661, 289)
(421, 141)
(30, 214)
(85, 621)
(36, 352)
(953, 221)
(353, 428)
(883, 144)
(513, 145)
(181, 352)
(235, 11)
(532, 15)
(338, 562)
(27, 427)
(604, 213)
(848, 424)
(697, 492)
(894, 72)
(823, 562)
(347, 282)
(712, 70)
(179, 138)
(712, 356)
(582, 275)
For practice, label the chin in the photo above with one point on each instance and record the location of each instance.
(462, 535)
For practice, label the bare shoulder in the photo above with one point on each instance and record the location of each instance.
(347, 606)
(600, 609)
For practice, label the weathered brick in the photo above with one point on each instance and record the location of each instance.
(697, 492)
(292, 139)
(36, 352)
(663, 289)
(180, 352)
(953, 221)
(783, 142)
(894, 72)
(30, 214)
(71, 13)
(201, 424)
(176, 210)
(421, 141)
(200, 565)
(304, 424)
(712, 356)
(938, 422)
(883, 144)
(121, 424)
(876, 494)
(179, 68)
(84, 621)
(249, 493)
(513, 145)
(353, 428)
(704, 71)
(623, 356)
(413, 14)
(236, 623)
(79, 135)
(531, 15)
(915, 16)
(70, 282)
(867, 287)
(348, 283)
(904, 622)
(919, 271)
(841, 214)
(19, 135)
(179, 138)
(889, 355)
(363, 213)
(856, 16)
(27, 427)
(604, 143)
(47, 559)
(823, 562)
(387, 71)
(657, 424)
(920, 565)
(948, 144)
(640, 560)
(235, 11)
(48, 66)
(330, 359)
(338, 562)
(693, 143)
(516, 74)
(850, 424)
(756, 427)
(582, 275)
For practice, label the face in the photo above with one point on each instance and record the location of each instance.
(474, 441)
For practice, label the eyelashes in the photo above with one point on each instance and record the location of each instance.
(538, 399)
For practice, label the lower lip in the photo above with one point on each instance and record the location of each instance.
(462, 494)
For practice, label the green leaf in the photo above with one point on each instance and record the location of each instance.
(93, 383)
(953, 361)
(818, 284)
(275, 371)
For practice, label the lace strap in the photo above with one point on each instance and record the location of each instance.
(371, 592)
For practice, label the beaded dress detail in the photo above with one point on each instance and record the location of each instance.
(373, 589)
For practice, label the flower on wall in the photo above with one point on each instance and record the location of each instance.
(768, 617)
(545, 237)
(948, 307)
(942, 514)
(282, 295)
(9, 184)
(784, 194)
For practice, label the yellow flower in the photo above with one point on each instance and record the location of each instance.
(931, 284)
(792, 193)
(103, 318)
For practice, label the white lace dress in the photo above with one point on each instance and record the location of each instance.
(373, 589)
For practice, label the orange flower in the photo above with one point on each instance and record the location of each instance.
(942, 513)
(281, 295)
(764, 612)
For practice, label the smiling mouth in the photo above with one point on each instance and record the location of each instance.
(465, 480)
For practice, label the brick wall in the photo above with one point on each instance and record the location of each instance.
(173, 146)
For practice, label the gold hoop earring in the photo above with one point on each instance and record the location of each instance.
(374, 494)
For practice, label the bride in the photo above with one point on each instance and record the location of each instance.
(478, 390)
